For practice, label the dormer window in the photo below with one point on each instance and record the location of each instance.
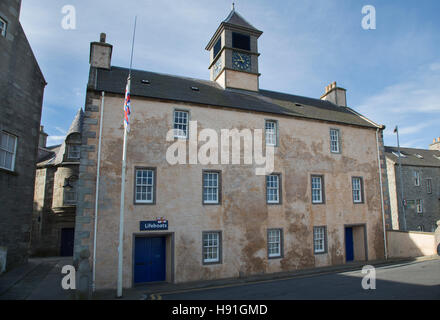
(241, 41)
(73, 151)
(397, 154)
(3, 26)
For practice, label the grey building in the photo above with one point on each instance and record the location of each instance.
(55, 197)
(421, 187)
(21, 95)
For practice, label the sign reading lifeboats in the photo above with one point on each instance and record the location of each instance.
(159, 224)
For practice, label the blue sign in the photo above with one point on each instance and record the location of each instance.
(154, 225)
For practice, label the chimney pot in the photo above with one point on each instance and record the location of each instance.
(102, 37)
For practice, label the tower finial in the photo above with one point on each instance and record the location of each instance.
(233, 6)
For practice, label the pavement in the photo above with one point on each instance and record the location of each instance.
(41, 279)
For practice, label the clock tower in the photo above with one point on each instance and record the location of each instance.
(234, 54)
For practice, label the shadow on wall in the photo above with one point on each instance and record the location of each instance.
(403, 244)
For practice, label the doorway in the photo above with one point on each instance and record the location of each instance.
(356, 243)
(149, 259)
(67, 242)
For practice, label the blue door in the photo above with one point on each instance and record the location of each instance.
(149, 259)
(349, 252)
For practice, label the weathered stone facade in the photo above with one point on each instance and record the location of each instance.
(427, 191)
(243, 216)
(21, 96)
(55, 195)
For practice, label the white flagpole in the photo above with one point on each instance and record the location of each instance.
(124, 165)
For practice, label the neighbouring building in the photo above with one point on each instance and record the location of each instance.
(21, 96)
(420, 208)
(55, 197)
(320, 206)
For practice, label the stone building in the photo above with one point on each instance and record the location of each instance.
(421, 187)
(191, 220)
(21, 95)
(55, 194)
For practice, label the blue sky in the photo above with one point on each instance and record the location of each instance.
(392, 74)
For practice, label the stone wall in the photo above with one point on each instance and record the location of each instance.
(243, 215)
(407, 244)
(21, 95)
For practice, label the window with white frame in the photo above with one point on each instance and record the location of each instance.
(334, 141)
(357, 189)
(211, 183)
(271, 132)
(70, 192)
(416, 178)
(428, 185)
(144, 186)
(274, 243)
(8, 150)
(273, 188)
(73, 151)
(181, 124)
(419, 205)
(317, 190)
(211, 247)
(3, 26)
(319, 239)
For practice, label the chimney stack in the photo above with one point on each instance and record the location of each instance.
(43, 138)
(335, 95)
(435, 144)
(101, 53)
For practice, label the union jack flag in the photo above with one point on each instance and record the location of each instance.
(127, 108)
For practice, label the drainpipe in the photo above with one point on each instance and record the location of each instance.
(381, 195)
(97, 193)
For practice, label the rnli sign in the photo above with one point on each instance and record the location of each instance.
(159, 224)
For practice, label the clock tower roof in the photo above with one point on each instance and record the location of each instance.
(235, 21)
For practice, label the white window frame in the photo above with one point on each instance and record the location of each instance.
(320, 189)
(271, 132)
(211, 188)
(429, 186)
(274, 243)
(273, 184)
(357, 189)
(6, 151)
(211, 247)
(419, 205)
(319, 239)
(178, 126)
(142, 182)
(335, 141)
(417, 178)
(70, 152)
(5, 27)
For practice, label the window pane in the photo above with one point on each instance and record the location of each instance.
(271, 133)
(144, 185)
(272, 188)
(211, 247)
(210, 187)
(334, 140)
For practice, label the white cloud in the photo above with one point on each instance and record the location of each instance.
(54, 140)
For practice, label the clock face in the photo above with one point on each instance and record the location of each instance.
(217, 67)
(241, 61)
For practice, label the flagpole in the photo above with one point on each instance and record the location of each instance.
(124, 165)
(402, 201)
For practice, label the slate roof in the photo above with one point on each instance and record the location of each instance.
(176, 88)
(234, 18)
(54, 155)
(410, 159)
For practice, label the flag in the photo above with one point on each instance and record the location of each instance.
(127, 108)
(395, 129)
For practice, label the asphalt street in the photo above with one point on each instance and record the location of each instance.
(415, 280)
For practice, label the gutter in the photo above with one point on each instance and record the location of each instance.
(381, 194)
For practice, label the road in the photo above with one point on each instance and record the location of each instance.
(414, 280)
